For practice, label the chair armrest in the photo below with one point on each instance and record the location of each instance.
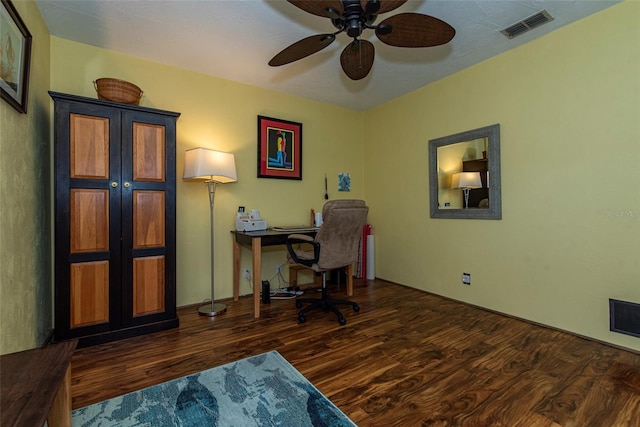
(302, 237)
(294, 239)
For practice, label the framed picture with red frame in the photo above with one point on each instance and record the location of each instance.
(279, 148)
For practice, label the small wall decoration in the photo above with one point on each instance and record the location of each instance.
(15, 57)
(279, 148)
(344, 182)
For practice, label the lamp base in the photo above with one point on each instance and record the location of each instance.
(212, 309)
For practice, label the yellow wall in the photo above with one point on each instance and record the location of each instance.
(568, 105)
(25, 255)
(222, 115)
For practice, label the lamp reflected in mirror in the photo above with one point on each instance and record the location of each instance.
(466, 181)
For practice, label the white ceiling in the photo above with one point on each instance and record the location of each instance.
(235, 39)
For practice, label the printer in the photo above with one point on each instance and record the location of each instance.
(250, 221)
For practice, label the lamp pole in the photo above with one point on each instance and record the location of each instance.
(466, 190)
(212, 309)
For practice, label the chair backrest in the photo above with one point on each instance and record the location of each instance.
(339, 235)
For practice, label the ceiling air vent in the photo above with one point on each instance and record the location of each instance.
(527, 24)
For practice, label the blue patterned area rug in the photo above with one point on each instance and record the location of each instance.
(263, 390)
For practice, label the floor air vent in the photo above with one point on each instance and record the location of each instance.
(624, 317)
(527, 24)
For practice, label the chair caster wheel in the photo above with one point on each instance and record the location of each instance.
(356, 308)
(298, 304)
(342, 321)
(301, 318)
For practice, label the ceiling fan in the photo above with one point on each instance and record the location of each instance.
(355, 16)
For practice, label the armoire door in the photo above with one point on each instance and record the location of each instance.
(148, 215)
(88, 249)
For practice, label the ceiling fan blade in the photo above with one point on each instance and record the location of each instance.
(302, 49)
(385, 5)
(357, 59)
(319, 7)
(414, 30)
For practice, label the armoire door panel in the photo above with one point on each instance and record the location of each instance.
(148, 152)
(89, 285)
(89, 220)
(148, 218)
(89, 147)
(148, 285)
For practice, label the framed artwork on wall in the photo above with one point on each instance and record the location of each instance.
(15, 57)
(279, 148)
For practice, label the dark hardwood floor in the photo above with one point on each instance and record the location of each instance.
(408, 358)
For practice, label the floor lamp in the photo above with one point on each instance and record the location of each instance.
(215, 167)
(466, 181)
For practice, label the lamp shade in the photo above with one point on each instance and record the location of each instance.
(466, 180)
(203, 163)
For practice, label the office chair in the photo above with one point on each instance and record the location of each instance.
(334, 246)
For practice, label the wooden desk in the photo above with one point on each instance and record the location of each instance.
(255, 240)
(36, 386)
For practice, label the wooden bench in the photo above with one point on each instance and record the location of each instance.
(35, 386)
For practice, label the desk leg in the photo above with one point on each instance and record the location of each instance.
(350, 280)
(236, 269)
(256, 253)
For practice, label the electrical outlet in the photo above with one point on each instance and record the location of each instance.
(247, 274)
(278, 268)
(466, 278)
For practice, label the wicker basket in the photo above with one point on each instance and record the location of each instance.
(118, 91)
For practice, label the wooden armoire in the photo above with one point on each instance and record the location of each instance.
(115, 180)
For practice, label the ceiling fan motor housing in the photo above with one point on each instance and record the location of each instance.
(354, 18)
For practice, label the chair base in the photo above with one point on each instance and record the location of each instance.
(325, 303)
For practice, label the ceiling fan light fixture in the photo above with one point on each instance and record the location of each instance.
(383, 29)
(354, 28)
(332, 13)
(387, 5)
(372, 7)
